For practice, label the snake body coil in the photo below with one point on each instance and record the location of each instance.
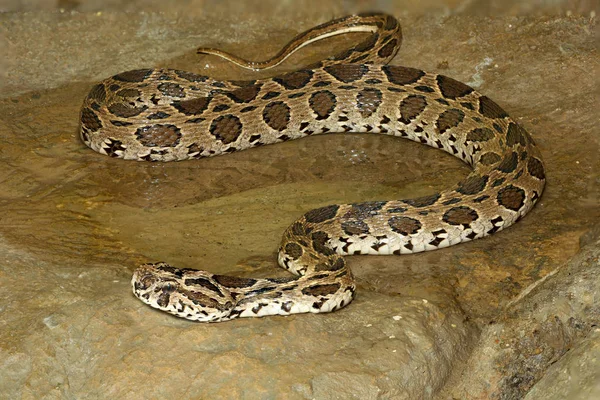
(167, 115)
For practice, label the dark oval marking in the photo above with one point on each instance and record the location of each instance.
(90, 120)
(368, 101)
(389, 49)
(321, 290)
(125, 110)
(461, 215)
(451, 88)
(411, 107)
(233, 281)
(404, 225)
(226, 128)
(158, 115)
(137, 75)
(189, 76)
(365, 45)
(203, 282)
(192, 107)
(402, 75)
(244, 94)
(490, 109)
(159, 135)
(509, 163)
(364, 210)
(347, 72)
(321, 214)
(98, 93)
(295, 80)
(355, 227)
(171, 89)
(480, 135)
(489, 158)
(515, 135)
(423, 201)
(449, 119)
(425, 89)
(472, 185)
(163, 299)
(319, 243)
(277, 115)
(322, 103)
(511, 197)
(293, 250)
(536, 168)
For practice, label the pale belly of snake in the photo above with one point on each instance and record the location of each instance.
(168, 115)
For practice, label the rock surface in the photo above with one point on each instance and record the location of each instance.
(574, 376)
(553, 324)
(74, 223)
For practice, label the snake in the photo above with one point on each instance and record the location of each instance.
(166, 115)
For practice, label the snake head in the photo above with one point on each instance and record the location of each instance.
(186, 293)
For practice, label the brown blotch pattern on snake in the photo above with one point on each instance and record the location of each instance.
(234, 281)
(473, 184)
(171, 89)
(411, 107)
(368, 101)
(355, 227)
(293, 250)
(347, 72)
(138, 75)
(388, 49)
(402, 75)
(226, 128)
(423, 201)
(90, 120)
(192, 107)
(515, 135)
(321, 214)
(159, 135)
(404, 225)
(244, 94)
(480, 135)
(449, 119)
(461, 215)
(277, 115)
(452, 89)
(321, 290)
(125, 110)
(295, 80)
(490, 109)
(189, 76)
(322, 103)
(489, 158)
(98, 93)
(511, 197)
(509, 163)
(319, 243)
(536, 168)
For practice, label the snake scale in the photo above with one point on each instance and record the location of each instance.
(167, 115)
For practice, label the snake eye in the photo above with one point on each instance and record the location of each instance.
(169, 287)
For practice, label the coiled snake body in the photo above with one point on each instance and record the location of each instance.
(165, 115)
